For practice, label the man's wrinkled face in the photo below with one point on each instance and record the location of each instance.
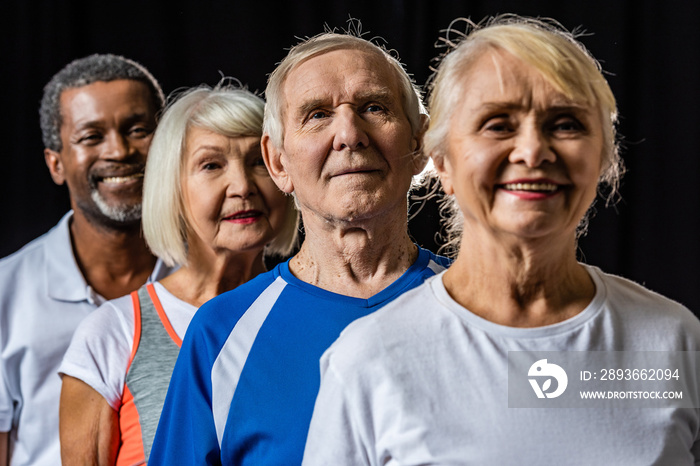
(348, 149)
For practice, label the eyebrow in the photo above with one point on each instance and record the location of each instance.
(563, 107)
(498, 106)
(380, 95)
(208, 148)
(130, 119)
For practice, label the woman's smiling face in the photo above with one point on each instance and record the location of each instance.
(521, 158)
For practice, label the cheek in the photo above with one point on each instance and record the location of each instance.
(77, 162)
(472, 172)
(142, 145)
(398, 143)
(199, 201)
(274, 199)
(307, 158)
(585, 168)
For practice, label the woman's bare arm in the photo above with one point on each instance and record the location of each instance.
(89, 427)
(4, 448)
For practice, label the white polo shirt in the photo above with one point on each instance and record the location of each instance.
(43, 297)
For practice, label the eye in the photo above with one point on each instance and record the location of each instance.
(91, 138)
(318, 115)
(210, 166)
(139, 132)
(374, 108)
(567, 125)
(499, 125)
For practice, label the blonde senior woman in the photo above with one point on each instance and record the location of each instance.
(210, 207)
(522, 134)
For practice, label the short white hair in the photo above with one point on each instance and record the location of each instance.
(225, 110)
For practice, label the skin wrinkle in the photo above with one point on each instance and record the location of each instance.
(108, 127)
(123, 111)
(529, 247)
(221, 176)
(347, 167)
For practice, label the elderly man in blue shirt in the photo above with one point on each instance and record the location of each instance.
(343, 133)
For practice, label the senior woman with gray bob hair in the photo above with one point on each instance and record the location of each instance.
(522, 135)
(210, 207)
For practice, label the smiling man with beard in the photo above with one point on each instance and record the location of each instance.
(97, 115)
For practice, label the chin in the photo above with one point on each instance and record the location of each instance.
(239, 245)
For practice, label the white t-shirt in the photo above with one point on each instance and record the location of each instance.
(425, 381)
(101, 347)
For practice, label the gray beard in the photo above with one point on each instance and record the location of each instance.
(119, 213)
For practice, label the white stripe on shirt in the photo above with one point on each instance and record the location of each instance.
(227, 368)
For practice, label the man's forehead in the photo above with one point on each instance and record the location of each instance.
(127, 90)
(341, 74)
(128, 98)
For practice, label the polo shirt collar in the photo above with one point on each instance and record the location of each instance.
(64, 279)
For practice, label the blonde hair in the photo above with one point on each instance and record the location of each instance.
(546, 46)
(225, 109)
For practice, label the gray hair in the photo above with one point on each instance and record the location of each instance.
(318, 45)
(225, 110)
(84, 71)
(552, 50)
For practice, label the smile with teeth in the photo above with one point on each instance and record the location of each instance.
(122, 179)
(539, 187)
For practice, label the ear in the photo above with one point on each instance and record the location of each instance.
(275, 162)
(421, 159)
(53, 161)
(444, 170)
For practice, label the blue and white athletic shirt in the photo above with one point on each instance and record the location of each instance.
(246, 379)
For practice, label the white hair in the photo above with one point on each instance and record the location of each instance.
(226, 110)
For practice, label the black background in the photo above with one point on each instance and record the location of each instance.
(650, 49)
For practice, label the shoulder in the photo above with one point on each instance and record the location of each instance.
(646, 309)
(113, 319)
(623, 291)
(415, 305)
(47, 261)
(24, 276)
(236, 301)
(217, 318)
(390, 331)
(33, 252)
(30, 256)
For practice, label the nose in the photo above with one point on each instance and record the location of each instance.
(531, 146)
(349, 131)
(241, 181)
